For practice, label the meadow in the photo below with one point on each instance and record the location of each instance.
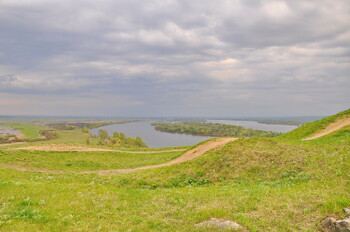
(264, 184)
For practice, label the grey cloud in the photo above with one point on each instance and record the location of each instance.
(170, 55)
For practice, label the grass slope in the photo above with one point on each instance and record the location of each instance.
(265, 184)
(310, 128)
(83, 161)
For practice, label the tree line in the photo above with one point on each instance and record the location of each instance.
(211, 129)
(119, 140)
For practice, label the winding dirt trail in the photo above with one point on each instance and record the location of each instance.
(189, 155)
(330, 128)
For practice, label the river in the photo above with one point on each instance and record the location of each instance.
(4, 130)
(150, 136)
(155, 138)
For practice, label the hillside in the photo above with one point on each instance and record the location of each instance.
(264, 184)
(310, 129)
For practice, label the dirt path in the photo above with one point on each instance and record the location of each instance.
(330, 128)
(189, 155)
(63, 147)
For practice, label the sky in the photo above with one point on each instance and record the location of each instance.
(156, 58)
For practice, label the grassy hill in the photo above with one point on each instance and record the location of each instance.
(265, 184)
(312, 127)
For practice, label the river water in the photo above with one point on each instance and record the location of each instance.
(150, 136)
(8, 130)
(155, 138)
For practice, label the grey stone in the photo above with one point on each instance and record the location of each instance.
(333, 225)
(222, 224)
(347, 212)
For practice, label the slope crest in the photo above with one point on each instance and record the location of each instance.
(320, 127)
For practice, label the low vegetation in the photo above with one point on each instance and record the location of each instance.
(211, 129)
(264, 184)
(118, 140)
(83, 161)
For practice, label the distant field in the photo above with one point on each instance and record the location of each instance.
(30, 131)
(70, 137)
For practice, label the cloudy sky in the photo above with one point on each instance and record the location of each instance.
(174, 58)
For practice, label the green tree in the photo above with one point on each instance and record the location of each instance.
(122, 138)
(85, 129)
(130, 141)
(103, 134)
(139, 142)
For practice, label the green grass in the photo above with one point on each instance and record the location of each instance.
(264, 184)
(279, 184)
(75, 137)
(30, 131)
(256, 160)
(82, 161)
(310, 128)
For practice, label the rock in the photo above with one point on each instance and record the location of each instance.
(344, 225)
(347, 212)
(333, 225)
(329, 224)
(221, 224)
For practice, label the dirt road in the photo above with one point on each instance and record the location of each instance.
(330, 128)
(189, 155)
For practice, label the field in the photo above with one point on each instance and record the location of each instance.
(264, 184)
(29, 131)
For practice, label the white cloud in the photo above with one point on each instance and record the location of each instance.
(277, 10)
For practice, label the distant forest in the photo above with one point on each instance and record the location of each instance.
(211, 129)
(283, 122)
